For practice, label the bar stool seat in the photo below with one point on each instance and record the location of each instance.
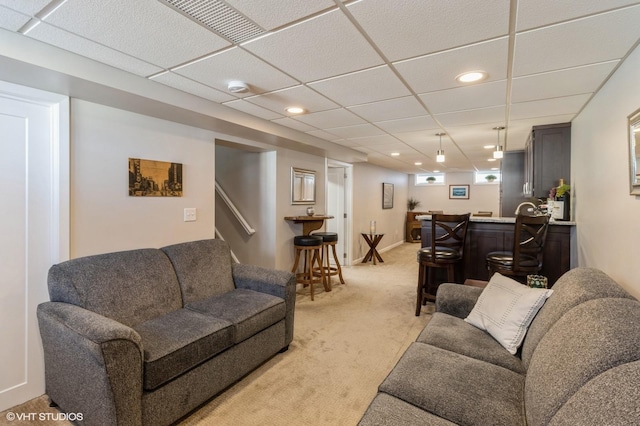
(329, 239)
(309, 247)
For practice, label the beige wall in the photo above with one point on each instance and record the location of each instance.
(104, 217)
(607, 216)
(482, 197)
(367, 206)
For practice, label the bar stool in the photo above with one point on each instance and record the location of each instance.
(329, 239)
(310, 247)
(530, 234)
(446, 250)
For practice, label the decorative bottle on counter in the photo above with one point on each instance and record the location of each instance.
(561, 204)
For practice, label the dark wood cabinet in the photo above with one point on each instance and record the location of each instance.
(547, 158)
(485, 237)
(412, 227)
(512, 183)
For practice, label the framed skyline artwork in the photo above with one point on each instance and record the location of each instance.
(150, 178)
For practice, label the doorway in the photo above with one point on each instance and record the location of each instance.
(339, 184)
(34, 224)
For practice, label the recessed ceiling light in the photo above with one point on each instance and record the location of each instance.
(495, 168)
(436, 171)
(491, 159)
(294, 110)
(395, 154)
(472, 76)
(489, 146)
(417, 163)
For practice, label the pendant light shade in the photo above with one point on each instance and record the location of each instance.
(499, 152)
(440, 152)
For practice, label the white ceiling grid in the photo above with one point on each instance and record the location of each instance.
(376, 76)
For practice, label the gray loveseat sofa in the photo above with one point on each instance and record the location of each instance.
(142, 337)
(579, 363)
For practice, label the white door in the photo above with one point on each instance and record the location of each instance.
(29, 219)
(336, 208)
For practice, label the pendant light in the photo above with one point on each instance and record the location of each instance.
(498, 153)
(440, 152)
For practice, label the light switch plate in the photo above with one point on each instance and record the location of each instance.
(190, 215)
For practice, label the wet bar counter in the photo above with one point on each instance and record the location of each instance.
(487, 234)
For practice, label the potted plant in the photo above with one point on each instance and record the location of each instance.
(431, 179)
(412, 203)
(490, 178)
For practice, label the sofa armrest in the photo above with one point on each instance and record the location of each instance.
(83, 347)
(456, 299)
(271, 281)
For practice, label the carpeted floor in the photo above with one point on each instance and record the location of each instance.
(345, 343)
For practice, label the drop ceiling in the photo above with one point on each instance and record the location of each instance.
(376, 76)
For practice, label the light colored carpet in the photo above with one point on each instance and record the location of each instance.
(345, 343)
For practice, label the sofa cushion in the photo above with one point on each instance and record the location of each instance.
(505, 309)
(455, 387)
(455, 335)
(203, 268)
(609, 399)
(572, 288)
(248, 311)
(584, 344)
(387, 410)
(130, 287)
(178, 341)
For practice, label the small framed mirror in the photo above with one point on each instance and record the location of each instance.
(303, 186)
(634, 152)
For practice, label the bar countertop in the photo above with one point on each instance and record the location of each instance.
(500, 220)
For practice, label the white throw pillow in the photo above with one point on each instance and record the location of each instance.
(505, 310)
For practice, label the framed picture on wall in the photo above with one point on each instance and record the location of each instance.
(151, 178)
(387, 195)
(458, 192)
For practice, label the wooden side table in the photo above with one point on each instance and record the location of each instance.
(372, 240)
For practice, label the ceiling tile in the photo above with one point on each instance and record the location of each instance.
(431, 25)
(169, 37)
(11, 20)
(181, 83)
(439, 71)
(81, 46)
(413, 138)
(571, 81)
(494, 116)
(390, 109)
(585, 41)
(359, 130)
(467, 97)
(321, 47)
(324, 135)
(536, 13)
(546, 107)
(30, 7)
(333, 118)
(270, 14)
(252, 109)
(299, 95)
(374, 140)
(236, 64)
(413, 124)
(293, 124)
(361, 87)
